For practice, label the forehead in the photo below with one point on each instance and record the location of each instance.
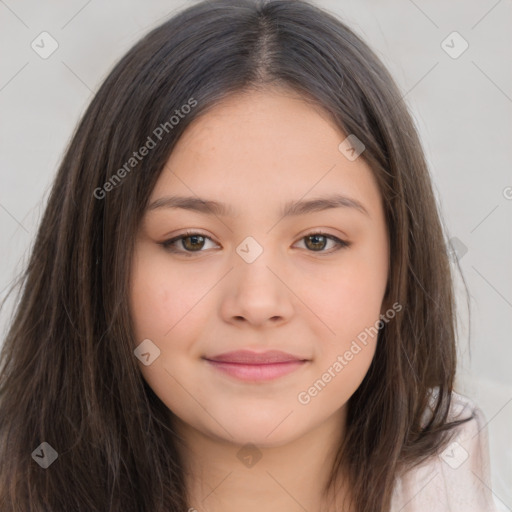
(271, 146)
(253, 121)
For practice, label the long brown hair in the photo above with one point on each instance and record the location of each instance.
(68, 374)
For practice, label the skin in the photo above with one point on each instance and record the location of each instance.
(256, 151)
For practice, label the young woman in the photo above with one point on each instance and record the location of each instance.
(239, 297)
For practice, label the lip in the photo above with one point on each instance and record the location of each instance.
(256, 366)
(250, 357)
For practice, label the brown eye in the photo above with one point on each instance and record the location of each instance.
(190, 243)
(317, 242)
(193, 242)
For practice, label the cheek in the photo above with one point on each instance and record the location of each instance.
(162, 303)
(362, 286)
(150, 297)
(162, 297)
(351, 298)
(351, 307)
(336, 381)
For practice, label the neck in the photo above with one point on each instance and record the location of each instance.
(222, 476)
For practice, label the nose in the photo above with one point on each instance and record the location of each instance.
(257, 293)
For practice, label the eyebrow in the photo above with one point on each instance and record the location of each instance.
(291, 208)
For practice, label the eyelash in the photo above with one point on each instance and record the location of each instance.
(168, 244)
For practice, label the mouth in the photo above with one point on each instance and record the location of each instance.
(252, 366)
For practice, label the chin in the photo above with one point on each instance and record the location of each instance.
(260, 437)
(264, 432)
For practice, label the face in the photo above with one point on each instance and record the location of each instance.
(259, 274)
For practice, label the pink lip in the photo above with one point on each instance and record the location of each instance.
(249, 357)
(247, 365)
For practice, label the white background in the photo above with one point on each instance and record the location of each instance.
(462, 108)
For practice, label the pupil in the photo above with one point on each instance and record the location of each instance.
(316, 238)
(194, 238)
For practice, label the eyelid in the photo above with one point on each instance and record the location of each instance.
(185, 234)
(340, 243)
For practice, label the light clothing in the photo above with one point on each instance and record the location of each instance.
(458, 480)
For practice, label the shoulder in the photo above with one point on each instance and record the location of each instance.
(459, 477)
